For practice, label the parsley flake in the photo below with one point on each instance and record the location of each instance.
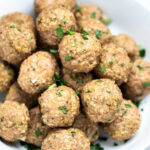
(59, 32)
(93, 15)
(78, 8)
(73, 133)
(63, 109)
(98, 34)
(68, 58)
(127, 105)
(53, 51)
(103, 68)
(64, 21)
(12, 26)
(140, 68)
(37, 133)
(146, 84)
(70, 32)
(111, 63)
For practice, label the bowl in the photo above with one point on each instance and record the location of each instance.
(128, 16)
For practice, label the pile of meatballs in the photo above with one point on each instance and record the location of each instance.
(66, 77)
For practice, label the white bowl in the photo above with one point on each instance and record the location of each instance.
(128, 16)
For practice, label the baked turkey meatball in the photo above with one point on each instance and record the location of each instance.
(129, 44)
(59, 106)
(17, 42)
(76, 80)
(6, 76)
(37, 130)
(96, 28)
(91, 129)
(90, 11)
(36, 72)
(114, 64)
(138, 84)
(78, 54)
(40, 5)
(101, 100)
(127, 123)
(53, 23)
(19, 18)
(14, 118)
(63, 139)
(15, 93)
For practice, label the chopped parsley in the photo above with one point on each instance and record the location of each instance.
(53, 51)
(59, 32)
(63, 109)
(88, 91)
(70, 31)
(30, 40)
(111, 63)
(103, 68)
(59, 80)
(108, 21)
(30, 146)
(12, 26)
(79, 61)
(39, 21)
(93, 15)
(73, 133)
(137, 104)
(127, 105)
(11, 73)
(59, 94)
(79, 81)
(21, 123)
(122, 65)
(38, 133)
(140, 68)
(99, 80)
(123, 111)
(142, 51)
(68, 58)
(78, 8)
(52, 86)
(64, 21)
(142, 109)
(77, 93)
(115, 144)
(98, 34)
(146, 84)
(19, 29)
(84, 34)
(96, 147)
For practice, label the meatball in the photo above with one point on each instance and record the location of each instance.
(17, 42)
(40, 5)
(37, 130)
(101, 100)
(114, 64)
(96, 28)
(127, 123)
(129, 44)
(59, 106)
(19, 18)
(36, 72)
(63, 139)
(91, 129)
(78, 54)
(90, 11)
(138, 84)
(6, 76)
(15, 93)
(76, 80)
(14, 118)
(53, 23)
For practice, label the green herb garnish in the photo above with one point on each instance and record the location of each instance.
(140, 68)
(68, 58)
(63, 109)
(53, 51)
(59, 32)
(63, 20)
(37, 133)
(98, 34)
(111, 63)
(103, 68)
(96, 147)
(73, 133)
(93, 15)
(146, 84)
(78, 8)
(127, 105)
(70, 32)
(12, 26)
